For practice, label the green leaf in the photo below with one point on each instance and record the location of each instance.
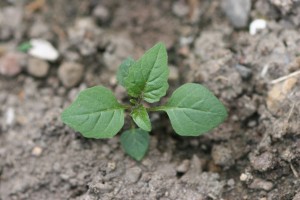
(194, 110)
(135, 143)
(24, 47)
(123, 70)
(95, 113)
(141, 118)
(148, 77)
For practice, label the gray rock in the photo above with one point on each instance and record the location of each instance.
(261, 184)
(262, 162)
(231, 182)
(10, 22)
(39, 29)
(37, 67)
(101, 14)
(11, 64)
(222, 155)
(184, 166)
(180, 8)
(70, 73)
(245, 72)
(246, 177)
(133, 174)
(237, 11)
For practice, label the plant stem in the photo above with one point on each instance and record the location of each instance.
(158, 108)
(127, 107)
(132, 123)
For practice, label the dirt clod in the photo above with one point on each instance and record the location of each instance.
(262, 162)
(297, 196)
(183, 167)
(37, 68)
(11, 64)
(278, 93)
(70, 73)
(261, 184)
(222, 155)
(133, 174)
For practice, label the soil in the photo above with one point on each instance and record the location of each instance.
(254, 154)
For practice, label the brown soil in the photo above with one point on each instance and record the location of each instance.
(255, 154)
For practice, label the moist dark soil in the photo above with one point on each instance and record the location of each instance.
(254, 154)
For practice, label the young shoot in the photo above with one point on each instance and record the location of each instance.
(96, 113)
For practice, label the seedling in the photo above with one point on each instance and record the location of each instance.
(96, 113)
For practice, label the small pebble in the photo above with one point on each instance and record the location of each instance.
(222, 155)
(237, 11)
(251, 124)
(39, 29)
(184, 51)
(245, 177)
(10, 116)
(36, 151)
(37, 67)
(245, 72)
(133, 174)
(101, 14)
(261, 184)
(184, 166)
(230, 182)
(180, 8)
(287, 155)
(64, 176)
(111, 166)
(100, 188)
(113, 81)
(70, 73)
(10, 21)
(56, 167)
(11, 64)
(256, 25)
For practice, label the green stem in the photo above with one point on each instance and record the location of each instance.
(132, 123)
(127, 107)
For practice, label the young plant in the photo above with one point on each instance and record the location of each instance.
(96, 113)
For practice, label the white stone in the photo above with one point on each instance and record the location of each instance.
(10, 116)
(37, 151)
(256, 25)
(43, 49)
